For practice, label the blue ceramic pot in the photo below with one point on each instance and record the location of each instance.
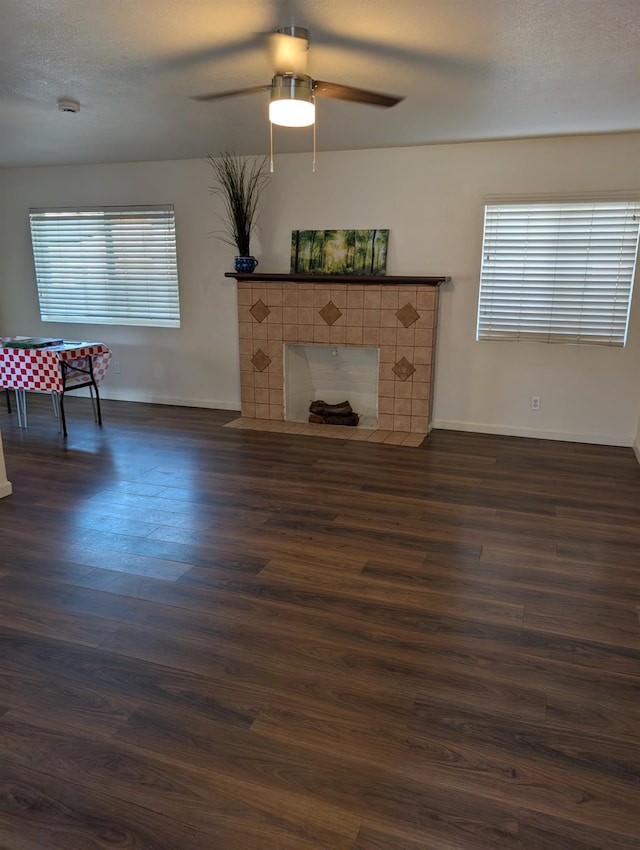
(245, 264)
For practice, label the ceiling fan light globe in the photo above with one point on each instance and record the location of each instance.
(288, 112)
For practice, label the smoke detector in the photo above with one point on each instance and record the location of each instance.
(65, 104)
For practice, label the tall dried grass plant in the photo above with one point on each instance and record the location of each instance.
(239, 182)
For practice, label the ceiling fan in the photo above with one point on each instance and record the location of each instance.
(293, 91)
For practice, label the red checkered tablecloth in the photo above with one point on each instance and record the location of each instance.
(39, 369)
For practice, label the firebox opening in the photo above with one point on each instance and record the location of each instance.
(333, 373)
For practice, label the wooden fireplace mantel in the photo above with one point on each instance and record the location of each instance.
(378, 280)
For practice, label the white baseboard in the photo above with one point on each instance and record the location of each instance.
(510, 431)
(144, 398)
(5, 489)
(636, 449)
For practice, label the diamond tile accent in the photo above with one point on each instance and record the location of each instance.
(260, 311)
(407, 315)
(330, 313)
(260, 360)
(403, 369)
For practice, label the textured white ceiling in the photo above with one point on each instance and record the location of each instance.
(470, 70)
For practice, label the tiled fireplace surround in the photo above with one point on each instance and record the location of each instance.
(398, 318)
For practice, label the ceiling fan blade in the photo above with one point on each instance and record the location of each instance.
(340, 92)
(221, 94)
(289, 53)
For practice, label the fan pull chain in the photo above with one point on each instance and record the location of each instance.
(314, 144)
(313, 168)
(271, 147)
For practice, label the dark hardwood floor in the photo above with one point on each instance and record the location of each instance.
(216, 639)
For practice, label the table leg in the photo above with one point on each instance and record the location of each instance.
(63, 421)
(55, 398)
(21, 406)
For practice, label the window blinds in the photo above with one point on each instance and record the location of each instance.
(106, 265)
(558, 272)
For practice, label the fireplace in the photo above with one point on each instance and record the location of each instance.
(281, 316)
(333, 373)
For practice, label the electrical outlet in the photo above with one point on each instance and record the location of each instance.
(534, 403)
(116, 368)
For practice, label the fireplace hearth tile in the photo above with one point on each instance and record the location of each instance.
(396, 438)
(338, 335)
(426, 300)
(245, 345)
(389, 299)
(379, 436)
(401, 423)
(354, 336)
(401, 389)
(245, 297)
(355, 299)
(306, 334)
(414, 440)
(260, 360)
(401, 407)
(404, 369)
(419, 425)
(321, 334)
(385, 405)
(339, 297)
(290, 333)
(372, 298)
(371, 337)
(276, 296)
(420, 407)
(371, 318)
(276, 379)
(320, 296)
(388, 336)
(361, 434)
(407, 315)
(259, 311)
(406, 337)
(274, 332)
(385, 388)
(330, 313)
(421, 355)
(354, 318)
(385, 436)
(388, 319)
(388, 354)
(260, 332)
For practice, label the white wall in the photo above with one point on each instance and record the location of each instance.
(196, 364)
(431, 198)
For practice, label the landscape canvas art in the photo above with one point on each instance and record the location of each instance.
(356, 252)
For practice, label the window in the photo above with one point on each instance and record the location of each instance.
(106, 266)
(558, 272)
